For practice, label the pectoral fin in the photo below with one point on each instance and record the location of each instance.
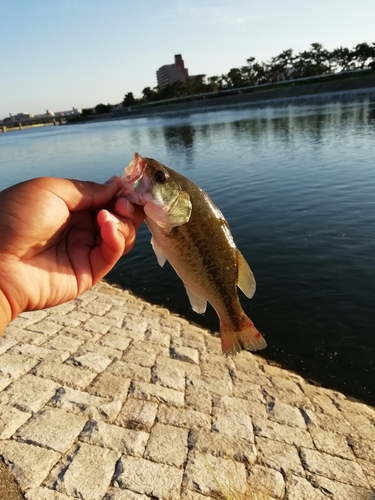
(198, 304)
(158, 252)
(245, 277)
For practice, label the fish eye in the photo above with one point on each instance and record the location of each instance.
(160, 177)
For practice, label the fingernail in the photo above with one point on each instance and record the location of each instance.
(110, 180)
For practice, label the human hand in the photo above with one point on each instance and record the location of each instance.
(58, 238)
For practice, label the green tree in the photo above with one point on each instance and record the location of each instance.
(103, 108)
(234, 78)
(129, 100)
(342, 59)
(364, 55)
(149, 94)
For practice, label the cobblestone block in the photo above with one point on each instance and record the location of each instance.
(144, 476)
(28, 318)
(139, 357)
(130, 370)
(117, 494)
(19, 335)
(299, 488)
(10, 420)
(167, 445)
(336, 489)
(337, 469)
(63, 343)
(91, 360)
(168, 374)
(111, 386)
(64, 320)
(29, 393)
(95, 307)
(255, 410)
(94, 407)
(211, 475)
(251, 391)
(363, 449)
(184, 417)
(46, 327)
(330, 423)
(268, 481)
(100, 349)
(5, 380)
(279, 456)
(80, 334)
(45, 494)
(236, 425)
(78, 378)
(95, 325)
(16, 365)
(190, 337)
(126, 441)
(284, 433)
(156, 393)
(33, 351)
(331, 443)
(285, 414)
(198, 399)
(186, 354)
(137, 414)
(6, 342)
(369, 470)
(52, 428)
(222, 445)
(86, 473)
(193, 495)
(158, 337)
(115, 341)
(29, 464)
(210, 385)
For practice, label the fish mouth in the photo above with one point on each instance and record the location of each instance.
(132, 179)
(135, 170)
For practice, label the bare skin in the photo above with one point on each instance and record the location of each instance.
(59, 237)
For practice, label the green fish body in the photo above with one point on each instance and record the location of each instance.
(191, 233)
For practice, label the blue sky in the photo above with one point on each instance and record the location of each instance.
(56, 54)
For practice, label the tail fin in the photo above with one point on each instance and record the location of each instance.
(247, 338)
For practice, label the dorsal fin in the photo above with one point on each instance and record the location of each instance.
(245, 277)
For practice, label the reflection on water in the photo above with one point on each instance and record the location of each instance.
(296, 184)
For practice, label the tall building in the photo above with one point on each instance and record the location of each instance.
(170, 73)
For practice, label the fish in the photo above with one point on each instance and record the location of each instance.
(190, 232)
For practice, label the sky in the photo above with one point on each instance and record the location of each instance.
(59, 54)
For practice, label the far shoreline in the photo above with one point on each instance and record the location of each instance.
(298, 94)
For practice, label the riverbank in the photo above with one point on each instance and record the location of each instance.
(110, 397)
(334, 90)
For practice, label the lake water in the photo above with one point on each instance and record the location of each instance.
(297, 186)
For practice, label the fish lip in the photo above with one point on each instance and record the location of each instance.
(132, 178)
(136, 168)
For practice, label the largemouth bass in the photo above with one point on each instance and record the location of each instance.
(191, 233)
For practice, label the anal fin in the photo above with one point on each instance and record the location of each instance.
(245, 277)
(198, 304)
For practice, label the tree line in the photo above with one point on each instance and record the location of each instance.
(285, 66)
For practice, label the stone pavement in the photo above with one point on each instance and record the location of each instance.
(111, 398)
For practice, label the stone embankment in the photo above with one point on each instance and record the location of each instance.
(108, 397)
(313, 92)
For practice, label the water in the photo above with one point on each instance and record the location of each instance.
(297, 186)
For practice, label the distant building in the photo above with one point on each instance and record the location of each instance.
(170, 73)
